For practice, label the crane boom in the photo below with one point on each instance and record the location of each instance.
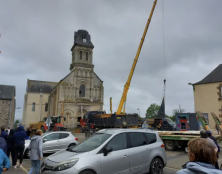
(127, 85)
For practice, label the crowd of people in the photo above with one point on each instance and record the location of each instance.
(12, 143)
(203, 154)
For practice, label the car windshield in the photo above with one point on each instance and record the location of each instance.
(90, 144)
(170, 121)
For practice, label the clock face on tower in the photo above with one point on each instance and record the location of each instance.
(84, 40)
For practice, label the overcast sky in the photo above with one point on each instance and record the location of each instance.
(36, 37)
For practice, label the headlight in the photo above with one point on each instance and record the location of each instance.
(65, 165)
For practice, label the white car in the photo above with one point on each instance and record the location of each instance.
(54, 141)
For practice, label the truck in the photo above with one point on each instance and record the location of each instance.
(49, 123)
(180, 138)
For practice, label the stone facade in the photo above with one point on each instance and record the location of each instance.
(81, 90)
(7, 105)
(35, 106)
(77, 93)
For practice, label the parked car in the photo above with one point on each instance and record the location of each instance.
(111, 151)
(54, 141)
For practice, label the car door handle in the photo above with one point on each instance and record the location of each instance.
(125, 156)
(147, 149)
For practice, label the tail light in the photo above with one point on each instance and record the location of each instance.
(163, 146)
(76, 139)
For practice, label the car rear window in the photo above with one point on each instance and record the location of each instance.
(63, 135)
(151, 138)
(137, 139)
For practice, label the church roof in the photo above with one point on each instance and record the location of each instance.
(7, 92)
(40, 86)
(81, 35)
(214, 76)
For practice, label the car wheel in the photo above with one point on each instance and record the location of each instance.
(169, 145)
(87, 172)
(156, 166)
(71, 145)
(27, 153)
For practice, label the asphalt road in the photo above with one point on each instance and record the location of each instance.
(175, 159)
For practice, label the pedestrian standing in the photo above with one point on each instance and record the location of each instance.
(36, 154)
(3, 144)
(209, 133)
(4, 162)
(28, 133)
(4, 134)
(10, 146)
(19, 140)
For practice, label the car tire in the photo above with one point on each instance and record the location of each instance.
(27, 153)
(156, 166)
(170, 145)
(87, 172)
(71, 145)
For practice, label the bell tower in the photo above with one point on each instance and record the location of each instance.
(82, 50)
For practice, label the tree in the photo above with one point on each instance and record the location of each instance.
(176, 111)
(152, 111)
(15, 124)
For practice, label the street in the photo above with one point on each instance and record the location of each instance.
(175, 159)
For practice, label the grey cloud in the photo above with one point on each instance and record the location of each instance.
(37, 37)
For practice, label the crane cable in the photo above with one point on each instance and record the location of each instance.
(164, 52)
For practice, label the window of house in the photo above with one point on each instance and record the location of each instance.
(80, 55)
(82, 90)
(87, 54)
(33, 106)
(46, 107)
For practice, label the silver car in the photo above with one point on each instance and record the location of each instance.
(111, 151)
(54, 141)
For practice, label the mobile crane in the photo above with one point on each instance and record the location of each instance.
(120, 119)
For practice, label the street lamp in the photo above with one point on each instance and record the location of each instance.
(139, 111)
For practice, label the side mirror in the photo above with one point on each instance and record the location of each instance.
(44, 140)
(106, 150)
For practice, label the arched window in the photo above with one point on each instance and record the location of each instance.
(80, 55)
(33, 107)
(82, 91)
(87, 54)
(46, 107)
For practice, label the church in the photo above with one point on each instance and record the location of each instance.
(77, 93)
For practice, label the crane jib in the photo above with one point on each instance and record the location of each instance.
(126, 87)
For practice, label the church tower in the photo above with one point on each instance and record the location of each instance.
(82, 50)
(81, 90)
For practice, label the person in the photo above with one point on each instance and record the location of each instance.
(10, 146)
(19, 146)
(4, 134)
(209, 133)
(28, 132)
(3, 144)
(202, 158)
(203, 134)
(36, 154)
(4, 162)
